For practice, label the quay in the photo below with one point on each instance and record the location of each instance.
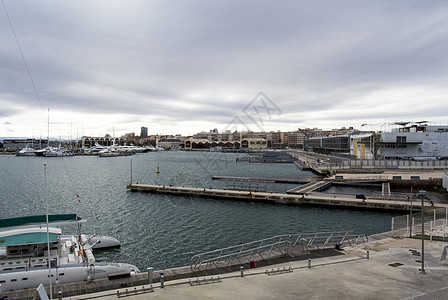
(313, 199)
(259, 179)
(389, 271)
(383, 268)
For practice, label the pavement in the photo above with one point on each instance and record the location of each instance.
(390, 272)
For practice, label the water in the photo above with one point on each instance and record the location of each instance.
(164, 231)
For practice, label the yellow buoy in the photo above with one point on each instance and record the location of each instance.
(158, 171)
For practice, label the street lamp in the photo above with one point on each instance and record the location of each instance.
(422, 196)
(410, 217)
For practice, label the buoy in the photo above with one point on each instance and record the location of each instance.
(158, 171)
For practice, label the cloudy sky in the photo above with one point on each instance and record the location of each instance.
(185, 66)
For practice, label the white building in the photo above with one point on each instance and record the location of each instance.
(362, 145)
(418, 141)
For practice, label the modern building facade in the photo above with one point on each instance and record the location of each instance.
(415, 141)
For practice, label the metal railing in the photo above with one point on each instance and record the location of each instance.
(436, 221)
(281, 245)
(394, 196)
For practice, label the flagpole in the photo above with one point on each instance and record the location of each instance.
(48, 230)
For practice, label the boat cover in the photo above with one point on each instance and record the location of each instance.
(38, 219)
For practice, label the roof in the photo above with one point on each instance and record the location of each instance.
(38, 219)
(27, 236)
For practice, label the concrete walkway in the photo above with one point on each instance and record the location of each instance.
(392, 272)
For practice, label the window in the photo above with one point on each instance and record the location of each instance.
(401, 139)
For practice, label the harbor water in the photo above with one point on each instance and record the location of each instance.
(164, 231)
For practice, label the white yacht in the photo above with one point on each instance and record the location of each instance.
(24, 254)
(27, 151)
(43, 151)
(57, 152)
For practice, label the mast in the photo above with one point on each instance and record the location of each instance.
(48, 129)
(48, 230)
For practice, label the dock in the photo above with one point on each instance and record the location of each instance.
(313, 199)
(310, 187)
(260, 179)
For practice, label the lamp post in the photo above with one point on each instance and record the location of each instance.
(422, 196)
(410, 219)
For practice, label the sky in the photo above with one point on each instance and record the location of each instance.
(184, 66)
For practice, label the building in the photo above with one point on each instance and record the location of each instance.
(144, 132)
(329, 144)
(294, 139)
(107, 140)
(18, 144)
(275, 139)
(171, 142)
(414, 141)
(254, 143)
(362, 145)
(204, 144)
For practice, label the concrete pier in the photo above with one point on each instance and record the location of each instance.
(316, 199)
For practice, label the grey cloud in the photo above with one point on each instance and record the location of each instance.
(137, 57)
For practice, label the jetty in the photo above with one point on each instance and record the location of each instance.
(263, 179)
(313, 199)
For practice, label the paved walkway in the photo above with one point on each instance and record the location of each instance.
(392, 272)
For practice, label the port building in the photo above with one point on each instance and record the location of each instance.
(412, 141)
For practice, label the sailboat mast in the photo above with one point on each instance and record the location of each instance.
(48, 230)
(48, 129)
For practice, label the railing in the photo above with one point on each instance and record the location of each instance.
(276, 246)
(436, 222)
(394, 196)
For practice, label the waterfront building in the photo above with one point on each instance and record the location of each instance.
(17, 144)
(254, 143)
(204, 144)
(329, 144)
(107, 140)
(414, 141)
(171, 142)
(362, 145)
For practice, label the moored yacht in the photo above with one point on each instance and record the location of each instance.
(27, 151)
(25, 255)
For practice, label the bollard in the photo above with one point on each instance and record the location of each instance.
(368, 254)
(162, 281)
(150, 275)
(309, 263)
(60, 295)
(242, 271)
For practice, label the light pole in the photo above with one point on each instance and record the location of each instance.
(410, 219)
(422, 196)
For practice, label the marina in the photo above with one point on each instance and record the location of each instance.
(180, 219)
